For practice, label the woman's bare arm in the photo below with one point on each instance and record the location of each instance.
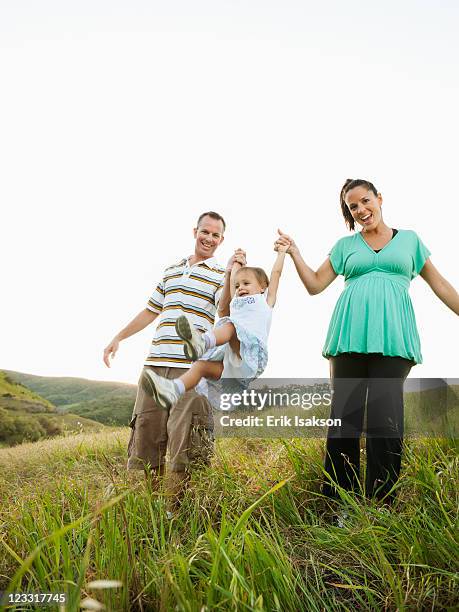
(440, 286)
(314, 281)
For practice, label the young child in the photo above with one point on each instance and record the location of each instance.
(237, 347)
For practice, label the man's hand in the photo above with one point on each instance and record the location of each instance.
(110, 351)
(285, 243)
(239, 257)
(139, 322)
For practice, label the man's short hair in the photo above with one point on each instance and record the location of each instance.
(213, 215)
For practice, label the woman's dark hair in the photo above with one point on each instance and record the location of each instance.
(348, 185)
(259, 273)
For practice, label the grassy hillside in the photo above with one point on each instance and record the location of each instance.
(25, 416)
(105, 402)
(15, 396)
(253, 532)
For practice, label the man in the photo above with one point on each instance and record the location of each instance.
(192, 286)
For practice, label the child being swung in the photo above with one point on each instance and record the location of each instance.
(236, 348)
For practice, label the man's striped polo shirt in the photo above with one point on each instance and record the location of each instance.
(193, 291)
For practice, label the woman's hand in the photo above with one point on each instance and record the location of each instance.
(282, 247)
(285, 243)
(314, 281)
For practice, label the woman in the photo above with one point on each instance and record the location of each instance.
(372, 341)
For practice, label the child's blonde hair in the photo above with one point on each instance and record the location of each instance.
(259, 273)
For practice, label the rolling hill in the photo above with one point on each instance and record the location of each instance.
(26, 416)
(14, 395)
(106, 402)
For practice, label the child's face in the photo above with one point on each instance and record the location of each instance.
(247, 283)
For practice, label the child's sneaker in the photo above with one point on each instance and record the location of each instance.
(194, 345)
(161, 389)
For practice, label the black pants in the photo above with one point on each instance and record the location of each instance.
(374, 381)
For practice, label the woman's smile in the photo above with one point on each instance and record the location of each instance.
(367, 219)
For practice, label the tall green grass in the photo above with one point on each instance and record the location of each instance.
(253, 532)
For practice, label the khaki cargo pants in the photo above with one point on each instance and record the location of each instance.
(185, 431)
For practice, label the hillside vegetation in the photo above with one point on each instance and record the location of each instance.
(26, 416)
(105, 402)
(14, 395)
(253, 532)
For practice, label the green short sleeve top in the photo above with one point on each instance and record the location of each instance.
(374, 313)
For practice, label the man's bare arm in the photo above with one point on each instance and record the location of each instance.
(139, 322)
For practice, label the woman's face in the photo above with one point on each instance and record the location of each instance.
(364, 206)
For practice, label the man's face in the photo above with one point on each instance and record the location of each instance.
(209, 235)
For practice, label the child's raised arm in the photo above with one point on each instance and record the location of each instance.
(235, 262)
(237, 265)
(276, 274)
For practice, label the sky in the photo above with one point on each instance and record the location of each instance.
(120, 122)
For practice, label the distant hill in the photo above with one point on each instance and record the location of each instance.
(25, 416)
(110, 403)
(15, 396)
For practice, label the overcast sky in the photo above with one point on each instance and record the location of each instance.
(122, 121)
